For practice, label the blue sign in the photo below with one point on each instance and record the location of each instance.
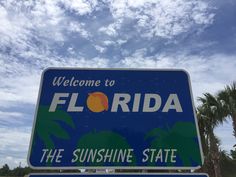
(117, 118)
(122, 175)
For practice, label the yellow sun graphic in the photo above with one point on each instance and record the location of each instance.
(97, 102)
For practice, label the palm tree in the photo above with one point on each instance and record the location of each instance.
(48, 125)
(203, 124)
(101, 140)
(180, 136)
(213, 112)
(228, 97)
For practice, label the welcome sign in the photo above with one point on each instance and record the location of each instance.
(115, 118)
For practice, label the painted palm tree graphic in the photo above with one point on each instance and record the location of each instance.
(49, 125)
(182, 136)
(104, 140)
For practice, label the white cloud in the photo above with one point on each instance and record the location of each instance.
(36, 27)
(14, 118)
(14, 146)
(11, 119)
(81, 7)
(157, 18)
(11, 30)
(121, 41)
(200, 13)
(10, 114)
(78, 27)
(19, 89)
(100, 49)
(13, 162)
(71, 50)
(225, 133)
(14, 140)
(111, 29)
(139, 60)
(108, 42)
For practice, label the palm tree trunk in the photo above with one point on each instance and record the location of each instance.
(215, 155)
(234, 124)
(204, 143)
(207, 167)
(217, 169)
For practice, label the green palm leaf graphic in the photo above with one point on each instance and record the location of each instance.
(182, 136)
(104, 140)
(49, 125)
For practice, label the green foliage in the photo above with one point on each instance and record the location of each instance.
(18, 171)
(233, 154)
(210, 114)
(228, 166)
(213, 110)
(49, 125)
(104, 140)
(5, 170)
(228, 98)
(182, 136)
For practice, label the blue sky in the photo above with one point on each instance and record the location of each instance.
(196, 35)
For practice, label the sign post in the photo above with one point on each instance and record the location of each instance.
(115, 118)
